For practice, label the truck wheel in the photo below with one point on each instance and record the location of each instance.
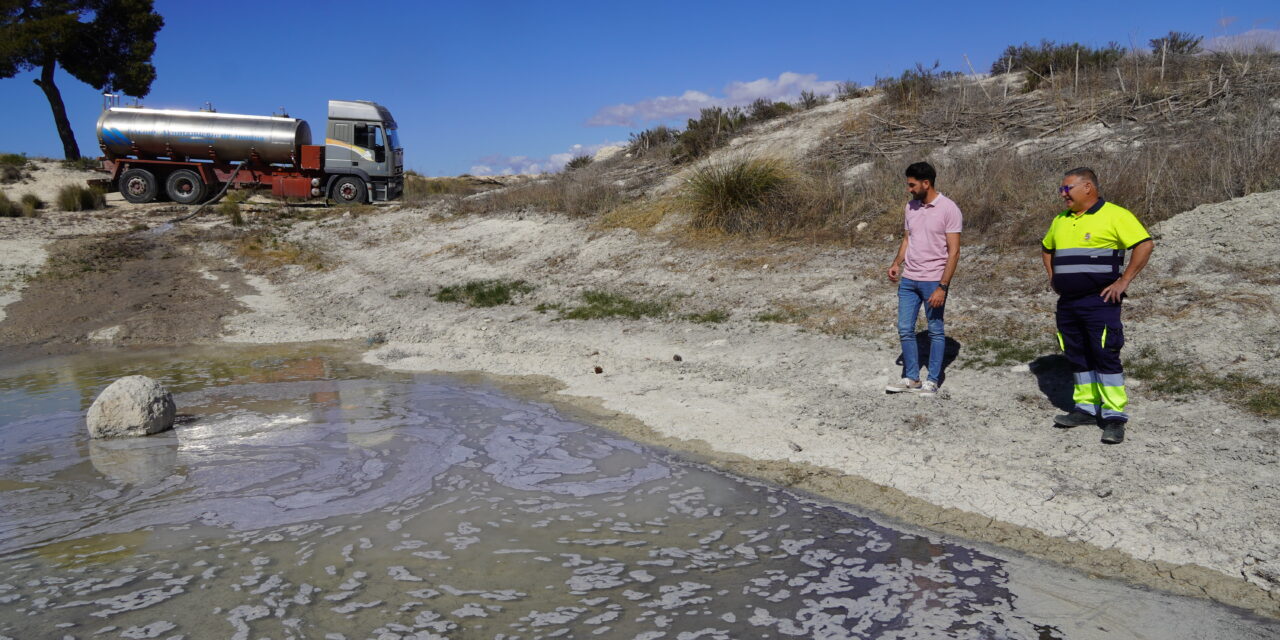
(138, 186)
(184, 186)
(349, 190)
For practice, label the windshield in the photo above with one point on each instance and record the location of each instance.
(394, 138)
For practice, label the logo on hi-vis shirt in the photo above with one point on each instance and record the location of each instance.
(1088, 236)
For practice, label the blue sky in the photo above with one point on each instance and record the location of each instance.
(515, 86)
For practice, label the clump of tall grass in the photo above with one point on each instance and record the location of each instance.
(735, 196)
(74, 197)
(9, 208)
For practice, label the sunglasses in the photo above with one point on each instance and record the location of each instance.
(1065, 189)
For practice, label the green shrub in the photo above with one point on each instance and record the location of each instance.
(74, 197)
(734, 196)
(914, 86)
(658, 137)
(764, 109)
(809, 100)
(230, 209)
(1041, 62)
(484, 293)
(13, 159)
(849, 90)
(11, 173)
(1177, 43)
(713, 127)
(578, 162)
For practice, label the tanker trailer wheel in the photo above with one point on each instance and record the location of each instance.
(138, 186)
(349, 190)
(185, 187)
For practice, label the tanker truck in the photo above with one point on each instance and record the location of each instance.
(189, 156)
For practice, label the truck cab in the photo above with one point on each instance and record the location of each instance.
(362, 157)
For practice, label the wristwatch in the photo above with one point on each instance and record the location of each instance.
(944, 287)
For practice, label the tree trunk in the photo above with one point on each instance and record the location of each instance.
(69, 147)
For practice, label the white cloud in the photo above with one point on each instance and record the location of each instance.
(787, 86)
(1246, 42)
(500, 165)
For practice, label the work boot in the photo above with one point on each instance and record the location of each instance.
(1074, 419)
(1112, 432)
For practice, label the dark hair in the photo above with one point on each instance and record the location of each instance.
(1084, 173)
(923, 171)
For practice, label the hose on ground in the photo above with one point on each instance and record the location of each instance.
(200, 209)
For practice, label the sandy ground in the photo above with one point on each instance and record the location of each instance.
(1189, 503)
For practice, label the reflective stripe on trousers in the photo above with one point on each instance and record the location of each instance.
(1094, 392)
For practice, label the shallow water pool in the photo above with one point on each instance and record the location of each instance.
(303, 495)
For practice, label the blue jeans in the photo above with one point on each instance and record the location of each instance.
(911, 295)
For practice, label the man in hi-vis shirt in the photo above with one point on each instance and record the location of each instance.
(1083, 253)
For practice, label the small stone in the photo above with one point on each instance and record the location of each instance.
(711, 278)
(677, 358)
(599, 369)
(131, 406)
(795, 447)
(1020, 368)
(1103, 493)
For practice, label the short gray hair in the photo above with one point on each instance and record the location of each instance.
(1084, 173)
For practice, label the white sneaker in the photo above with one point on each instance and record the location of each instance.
(905, 384)
(928, 388)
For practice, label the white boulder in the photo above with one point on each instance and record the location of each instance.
(131, 406)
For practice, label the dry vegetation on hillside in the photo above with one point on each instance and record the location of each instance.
(1166, 132)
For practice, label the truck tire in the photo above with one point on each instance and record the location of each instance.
(349, 190)
(138, 186)
(184, 186)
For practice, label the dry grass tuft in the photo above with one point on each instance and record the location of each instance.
(81, 198)
(638, 215)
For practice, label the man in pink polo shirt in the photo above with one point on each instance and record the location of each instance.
(926, 261)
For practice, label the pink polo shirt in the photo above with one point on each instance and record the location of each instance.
(927, 229)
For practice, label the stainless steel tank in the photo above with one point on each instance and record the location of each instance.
(150, 133)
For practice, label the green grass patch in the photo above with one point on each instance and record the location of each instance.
(715, 316)
(784, 314)
(1181, 379)
(13, 159)
(484, 293)
(987, 353)
(603, 304)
